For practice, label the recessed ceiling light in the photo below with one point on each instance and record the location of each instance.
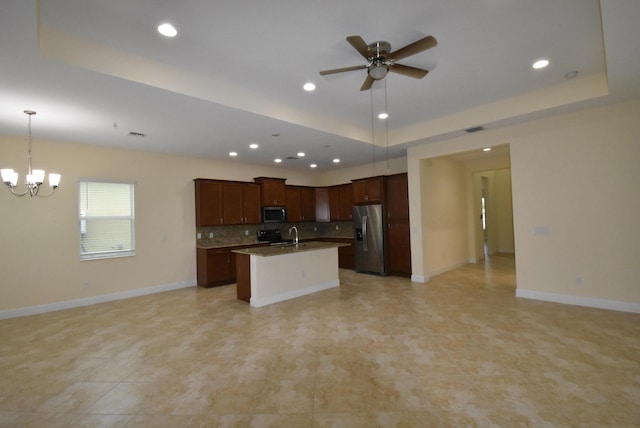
(232, 154)
(383, 115)
(336, 160)
(277, 160)
(313, 165)
(253, 146)
(167, 30)
(301, 154)
(309, 87)
(541, 63)
(486, 149)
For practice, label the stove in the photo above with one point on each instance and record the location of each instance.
(273, 237)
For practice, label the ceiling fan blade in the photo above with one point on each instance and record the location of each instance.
(359, 44)
(405, 70)
(413, 48)
(367, 83)
(340, 70)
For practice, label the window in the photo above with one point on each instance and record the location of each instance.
(106, 220)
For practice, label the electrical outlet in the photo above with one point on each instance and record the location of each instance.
(199, 235)
(337, 227)
(246, 233)
(315, 228)
(210, 234)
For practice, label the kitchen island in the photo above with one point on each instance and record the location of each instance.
(267, 275)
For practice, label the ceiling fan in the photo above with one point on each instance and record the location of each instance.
(382, 60)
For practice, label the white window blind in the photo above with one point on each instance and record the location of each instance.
(107, 219)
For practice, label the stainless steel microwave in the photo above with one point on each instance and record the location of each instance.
(274, 214)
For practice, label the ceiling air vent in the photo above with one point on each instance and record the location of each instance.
(137, 134)
(474, 129)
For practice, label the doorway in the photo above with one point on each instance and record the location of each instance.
(492, 209)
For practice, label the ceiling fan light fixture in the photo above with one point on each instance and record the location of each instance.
(378, 70)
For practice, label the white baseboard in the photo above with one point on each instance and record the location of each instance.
(614, 305)
(419, 278)
(259, 302)
(86, 301)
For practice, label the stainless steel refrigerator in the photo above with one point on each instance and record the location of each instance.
(369, 239)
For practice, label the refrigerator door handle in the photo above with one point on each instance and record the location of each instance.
(364, 233)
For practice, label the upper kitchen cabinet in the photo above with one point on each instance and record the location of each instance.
(208, 202)
(240, 202)
(273, 191)
(368, 190)
(308, 203)
(301, 203)
(397, 198)
(322, 204)
(341, 202)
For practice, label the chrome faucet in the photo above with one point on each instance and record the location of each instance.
(296, 230)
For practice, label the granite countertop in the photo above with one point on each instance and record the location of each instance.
(226, 244)
(223, 244)
(277, 250)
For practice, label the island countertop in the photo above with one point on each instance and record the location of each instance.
(279, 250)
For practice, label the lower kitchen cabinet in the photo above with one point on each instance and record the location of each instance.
(217, 266)
(399, 249)
(346, 255)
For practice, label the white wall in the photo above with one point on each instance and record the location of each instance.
(40, 261)
(577, 176)
(504, 211)
(444, 215)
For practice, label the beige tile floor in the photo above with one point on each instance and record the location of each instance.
(461, 350)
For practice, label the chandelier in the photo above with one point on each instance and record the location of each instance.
(35, 177)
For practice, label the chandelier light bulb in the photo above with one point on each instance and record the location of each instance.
(34, 177)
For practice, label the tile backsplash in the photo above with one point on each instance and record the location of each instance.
(247, 233)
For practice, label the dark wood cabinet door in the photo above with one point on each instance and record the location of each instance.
(322, 204)
(232, 210)
(214, 267)
(368, 190)
(346, 202)
(397, 198)
(359, 191)
(334, 203)
(292, 197)
(399, 249)
(273, 191)
(208, 203)
(251, 203)
(219, 266)
(307, 204)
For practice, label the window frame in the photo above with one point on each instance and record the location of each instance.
(113, 253)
